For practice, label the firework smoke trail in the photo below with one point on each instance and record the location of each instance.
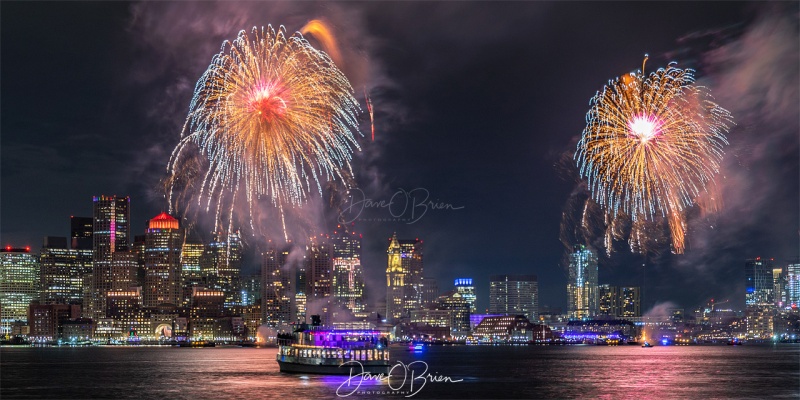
(371, 115)
(320, 31)
(271, 118)
(651, 146)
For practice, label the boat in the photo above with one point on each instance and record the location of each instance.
(320, 350)
(647, 344)
(734, 342)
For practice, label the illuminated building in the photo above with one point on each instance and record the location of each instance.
(44, 320)
(191, 254)
(348, 279)
(411, 261)
(110, 230)
(430, 291)
(276, 287)
(319, 260)
(793, 285)
(510, 329)
(630, 303)
(467, 291)
(81, 232)
(191, 273)
(251, 290)
(62, 272)
(582, 295)
(395, 283)
(459, 307)
(221, 264)
(608, 300)
(620, 302)
(124, 307)
(435, 318)
(207, 306)
(514, 294)
(19, 286)
(759, 300)
(162, 264)
(124, 266)
(78, 329)
(779, 287)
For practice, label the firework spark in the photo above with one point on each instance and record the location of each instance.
(652, 145)
(271, 118)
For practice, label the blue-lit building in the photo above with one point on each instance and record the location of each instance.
(759, 298)
(467, 290)
(582, 294)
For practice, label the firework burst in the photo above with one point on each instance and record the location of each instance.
(652, 145)
(271, 118)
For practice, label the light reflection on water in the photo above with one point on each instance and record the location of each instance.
(486, 372)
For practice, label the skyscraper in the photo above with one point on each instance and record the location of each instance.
(276, 286)
(62, 272)
(630, 303)
(779, 287)
(430, 291)
(514, 294)
(395, 282)
(19, 284)
(411, 260)
(81, 232)
(793, 285)
(759, 300)
(467, 291)
(110, 234)
(582, 295)
(221, 265)
(608, 300)
(163, 282)
(348, 277)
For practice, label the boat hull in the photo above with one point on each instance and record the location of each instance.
(309, 367)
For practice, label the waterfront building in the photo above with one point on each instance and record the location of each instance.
(163, 283)
(459, 307)
(207, 306)
(510, 328)
(19, 286)
(44, 320)
(582, 294)
(110, 234)
(759, 299)
(124, 306)
(434, 318)
(514, 294)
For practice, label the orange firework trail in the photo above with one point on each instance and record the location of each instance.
(320, 31)
(272, 118)
(371, 116)
(651, 146)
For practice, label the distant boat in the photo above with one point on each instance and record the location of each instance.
(735, 342)
(647, 344)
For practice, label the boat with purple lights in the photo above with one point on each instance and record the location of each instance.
(320, 350)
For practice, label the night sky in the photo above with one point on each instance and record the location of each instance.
(481, 104)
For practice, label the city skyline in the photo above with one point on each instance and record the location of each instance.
(109, 125)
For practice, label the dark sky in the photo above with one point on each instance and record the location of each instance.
(478, 103)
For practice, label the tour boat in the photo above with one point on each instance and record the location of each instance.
(317, 350)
